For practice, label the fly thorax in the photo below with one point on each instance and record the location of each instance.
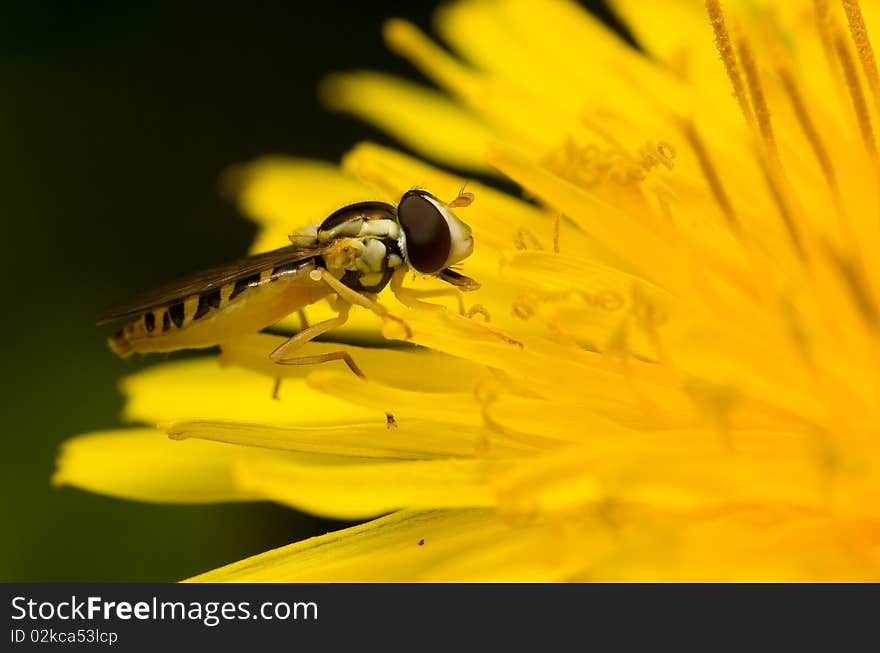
(363, 264)
(366, 258)
(361, 250)
(360, 228)
(344, 254)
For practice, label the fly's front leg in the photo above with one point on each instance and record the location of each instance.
(353, 297)
(411, 298)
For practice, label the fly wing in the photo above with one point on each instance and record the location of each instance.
(211, 279)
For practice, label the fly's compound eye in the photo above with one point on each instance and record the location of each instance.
(428, 239)
(434, 237)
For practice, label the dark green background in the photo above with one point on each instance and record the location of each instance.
(116, 122)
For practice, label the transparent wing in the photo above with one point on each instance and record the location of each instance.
(211, 279)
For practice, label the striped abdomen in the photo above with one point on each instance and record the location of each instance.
(244, 306)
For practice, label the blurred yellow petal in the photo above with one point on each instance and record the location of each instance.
(689, 57)
(291, 192)
(780, 468)
(453, 136)
(482, 31)
(144, 465)
(386, 549)
(498, 101)
(614, 543)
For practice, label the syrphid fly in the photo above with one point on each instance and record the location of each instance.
(348, 258)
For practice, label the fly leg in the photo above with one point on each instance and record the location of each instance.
(411, 298)
(353, 297)
(324, 358)
(280, 355)
(303, 320)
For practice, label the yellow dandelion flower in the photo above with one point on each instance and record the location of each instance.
(680, 378)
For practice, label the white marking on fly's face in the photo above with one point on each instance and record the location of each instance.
(462, 241)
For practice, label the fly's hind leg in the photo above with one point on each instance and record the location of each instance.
(305, 334)
(324, 358)
(280, 355)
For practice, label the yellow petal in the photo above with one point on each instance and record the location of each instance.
(451, 407)
(676, 47)
(547, 368)
(553, 41)
(411, 439)
(144, 465)
(682, 470)
(411, 368)
(645, 252)
(385, 549)
(612, 543)
(500, 102)
(367, 490)
(423, 119)
(291, 192)
(201, 388)
(589, 301)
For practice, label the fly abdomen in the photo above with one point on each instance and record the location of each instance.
(207, 302)
(243, 284)
(166, 319)
(203, 319)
